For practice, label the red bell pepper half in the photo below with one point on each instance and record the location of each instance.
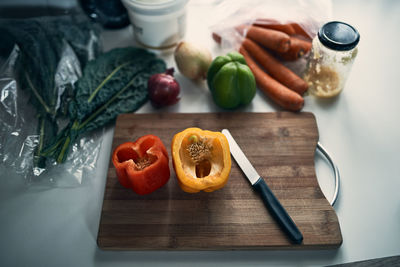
(142, 165)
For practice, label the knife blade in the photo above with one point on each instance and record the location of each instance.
(269, 199)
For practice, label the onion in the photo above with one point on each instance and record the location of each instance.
(163, 89)
(192, 60)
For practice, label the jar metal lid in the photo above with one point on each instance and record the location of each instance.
(338, 36)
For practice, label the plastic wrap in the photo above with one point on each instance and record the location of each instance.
(20, 118)
(310, 15)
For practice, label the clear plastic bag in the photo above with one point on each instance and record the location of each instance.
(310, 15)
(20, 119)
(306, 16)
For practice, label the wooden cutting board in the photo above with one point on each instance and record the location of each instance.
(281, 146)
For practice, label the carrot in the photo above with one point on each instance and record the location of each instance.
(300, 31)
(276, 69)
(276, 91)
(272, 39)
(298, 48)
(274, 25)
(288, 28)
(217, 38)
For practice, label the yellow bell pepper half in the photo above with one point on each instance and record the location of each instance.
(201, 159)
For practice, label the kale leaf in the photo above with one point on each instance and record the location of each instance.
(114, 83)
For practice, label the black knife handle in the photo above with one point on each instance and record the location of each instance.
(277, 211)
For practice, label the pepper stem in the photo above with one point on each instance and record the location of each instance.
(193, 138)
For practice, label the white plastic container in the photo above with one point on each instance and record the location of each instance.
(157, 23)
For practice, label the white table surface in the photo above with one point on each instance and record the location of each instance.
(58, 227)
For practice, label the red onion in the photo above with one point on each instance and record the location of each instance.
(163, 89)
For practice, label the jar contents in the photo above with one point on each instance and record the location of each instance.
(323, 81)
(332, 56)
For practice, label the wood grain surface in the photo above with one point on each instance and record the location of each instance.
(281, 146)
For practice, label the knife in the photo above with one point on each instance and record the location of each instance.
(258, 183)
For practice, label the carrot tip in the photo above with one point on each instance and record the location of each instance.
(216, 38)
(286, 46)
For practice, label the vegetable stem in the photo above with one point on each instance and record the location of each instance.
(193, 138)
(41, 135)
(48, 151)
(37, 154)
(61, 156)
(98, 111)
(37, 95)
(106, 80)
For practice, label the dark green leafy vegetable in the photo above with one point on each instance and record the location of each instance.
(45, 44)
(114, 83)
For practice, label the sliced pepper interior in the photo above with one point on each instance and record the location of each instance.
(139, 153)
(142, 165)
(201, 160)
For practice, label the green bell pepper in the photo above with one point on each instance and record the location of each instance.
(231, 81)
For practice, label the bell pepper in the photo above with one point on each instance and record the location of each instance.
(142, 165)
(201, 160)
(231, 82)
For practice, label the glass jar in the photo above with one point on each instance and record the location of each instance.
(333, 52)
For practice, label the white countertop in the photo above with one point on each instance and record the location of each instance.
(360, 128)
